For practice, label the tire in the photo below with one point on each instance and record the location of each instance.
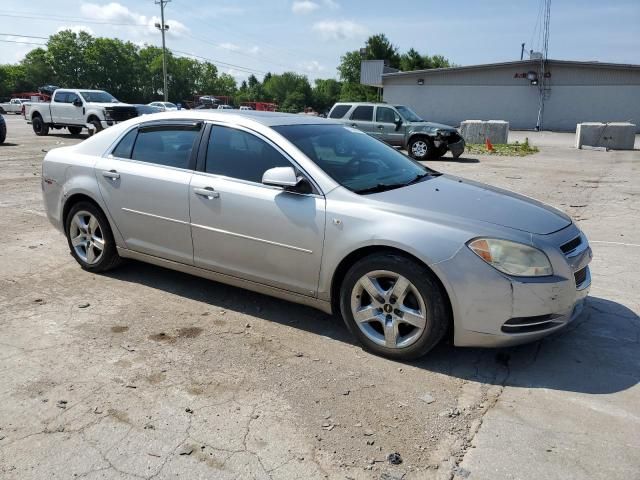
(439, 152)
(3, 132)
(421, 148)
(97, 126)
(424, 299)
(75, 130)
(39, 127)
(87, 223)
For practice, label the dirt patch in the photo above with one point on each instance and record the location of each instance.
(162, 337)
(156, 378)
(189, 332)
(119, 328)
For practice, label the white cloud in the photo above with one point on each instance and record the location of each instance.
(303, 7)
(339, 29)
(313, 66)
(116, 13)
(76, 29)
(237, 48)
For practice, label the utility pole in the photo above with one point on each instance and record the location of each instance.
(522, 52)
(163, 28)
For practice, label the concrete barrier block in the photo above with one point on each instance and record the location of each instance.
(613, 136)
(478, 131)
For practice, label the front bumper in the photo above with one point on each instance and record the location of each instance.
(492, 309)
(457, 148)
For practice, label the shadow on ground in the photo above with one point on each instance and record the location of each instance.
(598, 353)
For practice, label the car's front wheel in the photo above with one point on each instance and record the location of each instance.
(421, 148)
(90, 238)
(394, 306)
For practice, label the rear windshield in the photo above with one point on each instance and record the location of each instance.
(339, 111)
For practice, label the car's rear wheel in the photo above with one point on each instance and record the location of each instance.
(3, 132)
(39, 127)
(420, 148)
(90, 238)
(394, 306)
(75, 130)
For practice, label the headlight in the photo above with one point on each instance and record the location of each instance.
(107, 114)
(512, 258)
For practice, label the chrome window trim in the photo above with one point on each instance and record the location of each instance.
(159, 217)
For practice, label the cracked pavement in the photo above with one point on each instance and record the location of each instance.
(163, 375)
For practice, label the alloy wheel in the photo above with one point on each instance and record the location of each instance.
(388, 309)
(86, 237)
(419, 148)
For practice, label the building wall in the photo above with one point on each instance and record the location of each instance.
(576, 94)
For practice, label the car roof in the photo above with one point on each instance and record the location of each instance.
(366, 103)
(269, 119)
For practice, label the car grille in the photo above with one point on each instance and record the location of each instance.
(580, 276)
(571, 245)
(453, 138)
(120, 114)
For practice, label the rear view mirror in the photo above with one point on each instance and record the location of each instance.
(398, 121)
(77, 102)
(284, 177)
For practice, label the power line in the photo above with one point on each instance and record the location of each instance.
(23, 36)
(218, 62)
(24, 43)
(55, 18)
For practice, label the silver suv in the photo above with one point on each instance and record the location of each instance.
(400, 126)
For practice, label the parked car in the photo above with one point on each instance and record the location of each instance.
(225, 107)
(13, 106)
(3, 129)
(147, 109)
(400, 126)
(312, 211)
(245, 108)
(77, 109)
(164, 106)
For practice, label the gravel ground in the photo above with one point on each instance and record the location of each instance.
(149, 373)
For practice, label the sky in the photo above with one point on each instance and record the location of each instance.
(309, 36)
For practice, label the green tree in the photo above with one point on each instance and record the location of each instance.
(281, 87)
(380, 48)
(66, 51)
(37, 70)
(412, 60)
(325, 93)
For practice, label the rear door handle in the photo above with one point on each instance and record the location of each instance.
(354, 125)
(208, 192)
(380, 127)
(112, 174)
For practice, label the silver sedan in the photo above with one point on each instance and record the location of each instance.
(318, 213)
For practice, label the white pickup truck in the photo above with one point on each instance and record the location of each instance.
(13, 106)
(77, 109)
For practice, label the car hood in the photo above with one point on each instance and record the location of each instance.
(431, 126)
(468, 200)
(108, 104)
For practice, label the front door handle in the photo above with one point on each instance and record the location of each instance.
(112, 174)
(380, 127)
(355, 125)
(208, 192)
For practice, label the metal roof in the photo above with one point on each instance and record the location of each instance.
(591, 64)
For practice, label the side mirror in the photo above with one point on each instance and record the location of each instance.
(398, 121)
(284, 177)
(77, 102)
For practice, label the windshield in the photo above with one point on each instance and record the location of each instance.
(98, 97)
(354, 159)
(408, 114)
(169, 105)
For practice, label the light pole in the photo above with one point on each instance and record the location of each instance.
(163, 28)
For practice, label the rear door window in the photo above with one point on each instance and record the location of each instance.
(124, 148)
(168, 145)
(363, 113)
(339, 111)
(60, 97)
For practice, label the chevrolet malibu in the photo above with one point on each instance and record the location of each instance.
(319, 213)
